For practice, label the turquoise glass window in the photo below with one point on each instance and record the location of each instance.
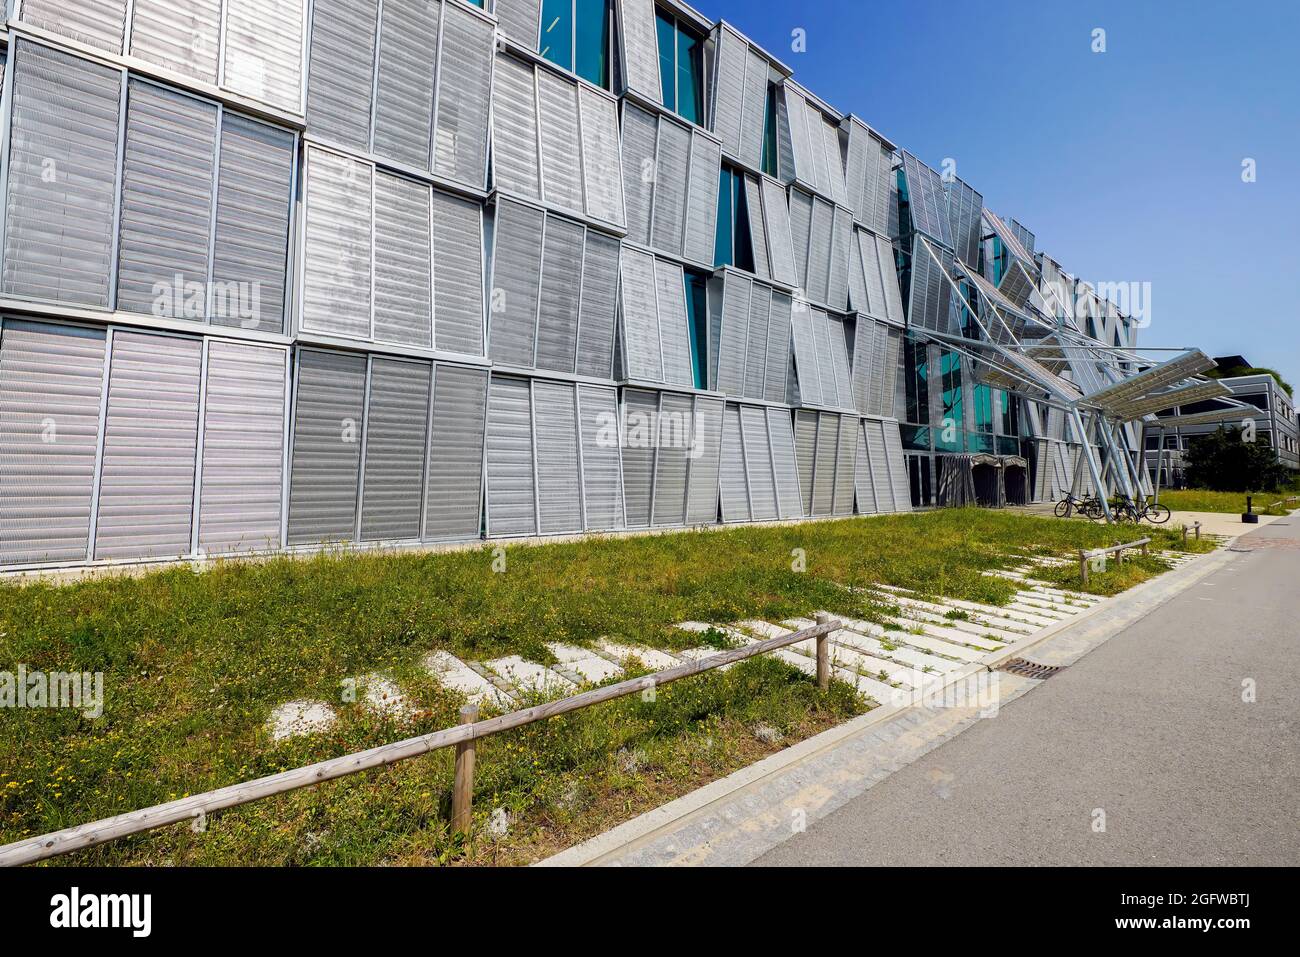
(697, 309)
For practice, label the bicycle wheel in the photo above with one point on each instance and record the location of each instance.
(1062, 508)
(1157, 514)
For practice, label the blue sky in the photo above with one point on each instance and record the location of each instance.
(1127, 164)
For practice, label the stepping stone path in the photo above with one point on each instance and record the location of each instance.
(294, 718)
(455, 674)
(384, 697)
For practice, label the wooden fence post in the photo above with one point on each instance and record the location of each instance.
(823, 655)
(1083, 566)
(462, 791)
(1146, 548)
(1198, 531)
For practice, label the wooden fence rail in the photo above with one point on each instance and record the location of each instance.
(1118, 550)
(463, 737)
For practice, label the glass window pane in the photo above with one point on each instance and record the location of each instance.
(697, 304)
(557, 32)
(722, 246)
(688, 77)
(667, 60)
(592, 53)
(769, 133)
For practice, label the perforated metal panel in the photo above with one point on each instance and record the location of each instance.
(784, 464)
(454, 487)
(640, 409)
(732, 481)
(602, 480)
(758, 463)
(839, 358)
(519, 20)
(733, 337)
(264, 51)
(757, 231)
(557, 323)
(336, 264)
(963, 207)
(807, 367)
(515, 157)
(561, 159)
(801, 233)
(729, 89)
(461, 124)
(897, 463)
(329, 413)
(181, 35)
(674, 428)
(403, 267)
(640, 50)
(845, 460)
(702, 495)
(516, 284)
(599, 306)
(819, 250)
(805, 448)
(670, 174)
(51, 383)
(98, 23)
(457, 274)
(674, 330)
(559, 486)
(823, 490)
(397, 419)
(760, 308)
(776, 215)
(408, 47)
(341, 70)
(602, 168)
(640, 133)
(702, 200)
(640, 318)
(889, 278)
(511, 489)
(876, 457)
(778, 349)
(837, 292)
(926, 199)
(754, 110)
(865, 485)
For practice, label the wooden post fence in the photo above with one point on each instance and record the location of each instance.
(823, 654)
(462, 791)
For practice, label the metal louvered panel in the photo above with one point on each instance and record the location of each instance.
(834, 162)
(166, 205)
(640, 53)
(512, 504)
(263, 46)
(930, 291)
(514, 129)
(519, 20)
(558, 123)
(674, 328)
(815, 123)
(341, 70)
(51, 383)
(702, 200)
(805, 446)
(336, 265)
(329, 410)
(760, 308)
(776, 215)
(673, 428)
(964, 206)
(784, 464)
(871, 275)
(181, 35)
(397, 422)
(757, 231)
(557, 322)
(602, 483)
(805, 354)
(403, 277)
(408, 47)
(639, 411)
(845, 460)
(878, 360)
(859, 300)
(98, 23)
(598, 311)
(602, 169)
(754, 110)
(897, 463)
(797, 111)
(862, 480)
(801, 205)
(784, 146)
(640, 133)
(706, 449)
(243, 448)
(516, 284)
(457, 274)
(893, 363)
(454, 485)
(823, 490)
(864, 346)
(778, 348)
(734, 335)
(758, 463)
(837, 291)
(819, 251)
(731, 478)
(826, 373)
(889, 278)
(926, 200)
(880, 481)
(670, 172)
(884, 200)
(254, 194)
(840, 362)
(729, 90)
(559, 490)
(465, 68)
(857, 171)
(59, 229)
(151, 432)
(640, 317)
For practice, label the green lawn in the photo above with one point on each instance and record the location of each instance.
(1203, 500)
(194, 663)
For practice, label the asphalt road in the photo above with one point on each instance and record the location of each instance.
(1149, 730)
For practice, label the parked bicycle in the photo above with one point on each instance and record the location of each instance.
(1127, 510)
(1089, 507)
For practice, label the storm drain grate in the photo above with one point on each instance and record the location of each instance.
(1030, 669)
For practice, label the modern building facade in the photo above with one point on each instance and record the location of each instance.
(279, 273)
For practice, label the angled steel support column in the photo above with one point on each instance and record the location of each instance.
(1092, 465)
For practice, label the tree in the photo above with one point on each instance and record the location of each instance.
(1225, 463)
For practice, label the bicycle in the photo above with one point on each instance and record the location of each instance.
(1089, 508)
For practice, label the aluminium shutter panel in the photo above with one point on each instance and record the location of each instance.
(341, 70)
(733, 336)
(329, 412)
(403, 270)
(242, 481)
(823, 490)
(392, 476)
(784, 463)
(706, 450)
(640, 410)
(801, 145)
(465, 75)
(519, 20)
(404, 86)
(889, 277)
(801, 207)
(857, 171)
(602, 480)
(640, 52)
(702, 200)
(880, 480)
(859, 302)
(674, 329)
(515, 163)
(865, 486)
(511, 492)
(869, 259)
(845, 459)
(835, 163)
(732, 482)
(263, 47)
(805, 447)
(598, 310)
(640, 134)
(557, 322)
(760, 308)
(840, 362)
(151, 433)
(897, 464)
(98, 23)
(337, 259)
(454, 487)
(670, 172)
(730, 63)
(805, 355)
(559, 483)
(561, 159)
(181, 35)
(166, 204)
(754, 110)
(254, 194)
(641, 343)
(457, 274)
(51, 385)
(673, 427)
(602, 167)
(830, 387)
(864, 347)
(59, 229)
(758, 463)
(819, 250)
(516, 284)
(778, 348)
(837, 293)
(776, 215)
(893, 361)
(757, 230)
(815, 121)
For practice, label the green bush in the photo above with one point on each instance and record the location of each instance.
(1224, 463)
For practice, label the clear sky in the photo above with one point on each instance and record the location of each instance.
(1127, 164)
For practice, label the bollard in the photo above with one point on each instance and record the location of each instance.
(462, 792)
(823, 655)
(1083, 565)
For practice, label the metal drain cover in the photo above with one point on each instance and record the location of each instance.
(1030, 669)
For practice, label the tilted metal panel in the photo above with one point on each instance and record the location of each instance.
(964, 206)
(821, 173)
(801, 145)
(561, 157)
(859, 299)
(403, 262)
(840, 362)
(893, 363)
(826, 371)
(557, 322)
(598, 309)
(263, 51)
(896, 460)
(758, 463)
(930, 290)
(640, 409)
(879, 359)
(59, 229)
(404, 86)
(519, 20)
(702, 200)
(757, 230)
(181, 35)
(780, 430)
(602, 166)
(397, 423)
(805, 448)
(731, 60)
(515, 160)
(329, 412)
(254, 195)
(784, 145)
(837, 291)
(862, 479)
(731, 478)
(778, 348)
(926, 200)
(889, 278)
(674, 427)
(457, 274)
(640, 48)
(151, 433)
(801, 205)
(807, 368)
(1017, 284)
(98, 23)
(454, 486)
(166, 205)
(845, 461)
(734, 334)
(865, 344)
(776, 215)
(242, 481)
(859, 170)
(641, 347)
(834, 162)
(602, 480)
(819, 250)
(559, 489)
(823, 491)
(337, 260)
(884, 200)
(341, 70)
(760, 308)
(672, 161)
(51, 384)
(876, 454)
(461, 125)
(640, 134)
(754, 109)
(706, 451)
(516, 284)
(674, 326)
(511, 490)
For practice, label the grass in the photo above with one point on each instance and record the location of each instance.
(1204, 500)
(194, 663)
